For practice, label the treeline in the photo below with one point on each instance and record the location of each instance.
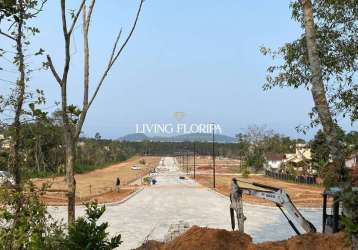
(42, 151)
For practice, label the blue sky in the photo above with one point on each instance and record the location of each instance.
(198, 57)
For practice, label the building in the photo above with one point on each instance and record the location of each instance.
(274, 161)
(300, 160)
(352, 161)
(352, 164)
(5, 143)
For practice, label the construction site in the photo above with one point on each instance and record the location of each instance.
(178, 125)
(180, 212)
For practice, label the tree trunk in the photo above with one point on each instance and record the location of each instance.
(319, 93)
(19, 100)
(37, 154)
(70, 179)
(323, 110)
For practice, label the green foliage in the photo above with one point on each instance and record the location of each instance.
(336, 30)
(85, 234)
(245, 172)
(29, 227)
(97, 136)
(350, 198)
(320, 150)
(258, 141)
(352, 141)
(146, 180)
(36, 229)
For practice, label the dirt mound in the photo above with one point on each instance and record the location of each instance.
(219, 239)
(151, 245)
(313, 241)
(209, 239)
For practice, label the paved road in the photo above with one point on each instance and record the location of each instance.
(153, 210)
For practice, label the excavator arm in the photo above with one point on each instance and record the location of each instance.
(283, 202)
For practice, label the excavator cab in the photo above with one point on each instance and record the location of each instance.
(331, 216)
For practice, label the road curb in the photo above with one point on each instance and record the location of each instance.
(123, 200)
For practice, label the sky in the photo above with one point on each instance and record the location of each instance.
(198, 57)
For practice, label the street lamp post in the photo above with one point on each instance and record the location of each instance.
(213, 127)
(187, 162)
(183, 160)
(194, 159)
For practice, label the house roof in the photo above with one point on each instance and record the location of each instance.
(353, 155)
(274, 156)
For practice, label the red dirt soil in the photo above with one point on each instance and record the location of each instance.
(99, 184)
(301, 195)
(219, 239)
(61, 200)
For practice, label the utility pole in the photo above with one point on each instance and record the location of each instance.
(213, 155)
(194, 159)
(187, 162)
(182, 159)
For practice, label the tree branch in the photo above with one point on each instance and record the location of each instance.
(113, 58)
(76, 17)
(7, 35)
(130, 33)
(86, 67)
(115, 47)
(89, 16)
(53, 70)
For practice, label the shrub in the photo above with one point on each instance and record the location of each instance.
(25, 222)
(32, 227)
(146, 180)
(245, 173)
(85, 234)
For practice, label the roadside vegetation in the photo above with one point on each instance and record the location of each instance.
(35, 143)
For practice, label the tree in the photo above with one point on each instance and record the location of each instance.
(32, 227)
(73, 117)
(326, 53)
(329, 125)
(337, 47)
(97, 136)
(352, 141)
(15, 16)
(320, 148)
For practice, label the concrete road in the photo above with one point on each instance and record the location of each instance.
(149, 214)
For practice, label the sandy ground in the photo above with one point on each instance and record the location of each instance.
(100, 184)
(301, 195)
(204, 164)
(150, 213)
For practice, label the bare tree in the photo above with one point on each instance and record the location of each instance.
(323, 110)
(72, 117)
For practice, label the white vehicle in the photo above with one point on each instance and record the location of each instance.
(6, 178)
(135, 167)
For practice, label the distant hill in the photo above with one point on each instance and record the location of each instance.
(196, 137)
